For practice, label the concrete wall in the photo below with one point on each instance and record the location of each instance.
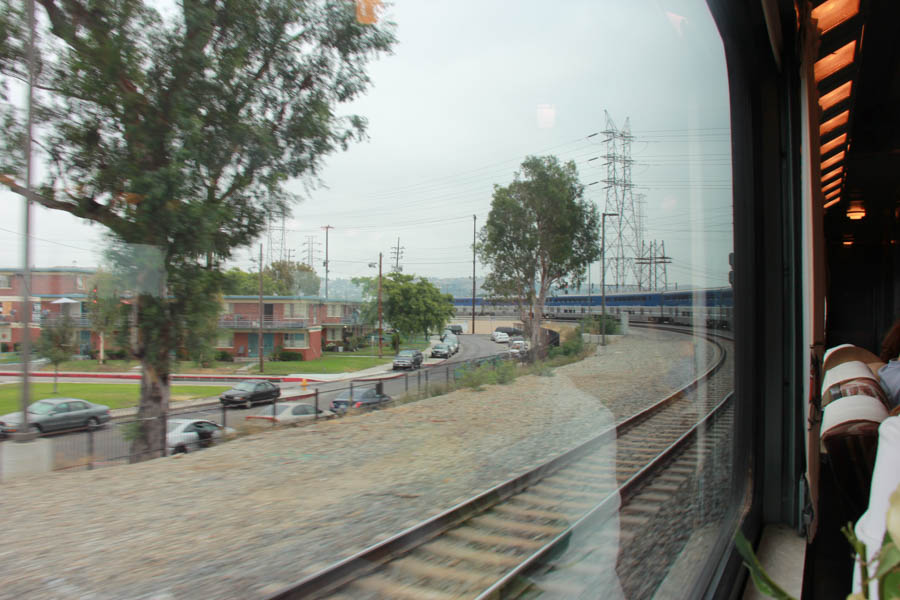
(25, 458)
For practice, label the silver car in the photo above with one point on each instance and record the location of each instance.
(57, 414)
(184, 435)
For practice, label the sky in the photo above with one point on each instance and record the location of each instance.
(471, 89)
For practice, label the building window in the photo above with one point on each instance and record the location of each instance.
(334, 310)
(225, 340)
(79, 282)
(333, 335)
(4, 281)
(295, 340)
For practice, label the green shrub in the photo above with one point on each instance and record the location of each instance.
(289, 355)
(506, 372)
(224, 356)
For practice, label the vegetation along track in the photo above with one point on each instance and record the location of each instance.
(566, 527)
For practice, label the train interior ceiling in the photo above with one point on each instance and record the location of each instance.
(861, 228)
(859, 150)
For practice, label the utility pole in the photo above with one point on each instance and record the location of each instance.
(25, 435)
(380, 322)
(326, 228)
(397, 251)
(603, 274)
(259, 333)
(474, 219)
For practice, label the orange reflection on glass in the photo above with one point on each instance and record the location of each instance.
(838, 94)
(831, 203)
(832, 13)
(833, 194)
(833, 160)
(834, 62)
(367, 11)
(832, 173)
(833, 123)
(829, 146)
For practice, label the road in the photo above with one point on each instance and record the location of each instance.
(109, 444)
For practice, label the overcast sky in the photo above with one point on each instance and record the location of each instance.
(472, 88)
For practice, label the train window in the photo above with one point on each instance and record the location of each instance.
(188, 140)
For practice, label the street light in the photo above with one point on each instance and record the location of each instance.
(603, 274)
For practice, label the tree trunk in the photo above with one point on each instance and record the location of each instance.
(538, 348)
(55, 377)
(102, 339)
(154, 403)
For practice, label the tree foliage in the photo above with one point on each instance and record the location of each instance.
(414, 305)
(105, 309)
(281, 278)
(179, 133)
(57, 343)
(540, 232)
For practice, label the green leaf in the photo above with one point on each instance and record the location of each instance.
(888, 558)
(761, 579)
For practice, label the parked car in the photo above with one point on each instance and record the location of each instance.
(518, 348)
(291, 412)
(250, 392)
(510, 331)
(453, 343)
(500, 337)
(456, 329)
(363, 398)
(445, 333)
(441, 351)
(57, 414)
(185, 435)
(408, 359)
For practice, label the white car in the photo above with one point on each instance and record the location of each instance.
(184, 435)
(518, 347)
(500, 337)
(290, 412)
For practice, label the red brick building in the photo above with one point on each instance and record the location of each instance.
(301, 324)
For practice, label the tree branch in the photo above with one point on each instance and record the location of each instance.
(86, 208)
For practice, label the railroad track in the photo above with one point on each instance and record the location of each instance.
(574, 524)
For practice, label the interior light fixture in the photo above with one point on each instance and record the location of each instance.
(848, 240)
(832, 13)
(832, 173)
(833, 123)
(831, 186)
(834, 62)
(835, 143)
(827, 164)
(835, 96)
(856, 211)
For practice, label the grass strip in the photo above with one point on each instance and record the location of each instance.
(113, 395)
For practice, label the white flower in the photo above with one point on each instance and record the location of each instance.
(893, 517)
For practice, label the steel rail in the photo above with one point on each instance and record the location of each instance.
(369, 559)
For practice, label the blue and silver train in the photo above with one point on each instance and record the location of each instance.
(712, 307)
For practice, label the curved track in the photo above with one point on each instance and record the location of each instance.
(520, 536)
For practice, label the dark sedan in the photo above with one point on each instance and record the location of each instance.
(57, 414)
(250, 392)
(363, 399)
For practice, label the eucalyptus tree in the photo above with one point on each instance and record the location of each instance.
(179, 131)
(540, 232)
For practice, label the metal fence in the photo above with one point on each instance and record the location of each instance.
(111, 444)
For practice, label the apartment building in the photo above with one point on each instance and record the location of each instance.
(302, 324)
